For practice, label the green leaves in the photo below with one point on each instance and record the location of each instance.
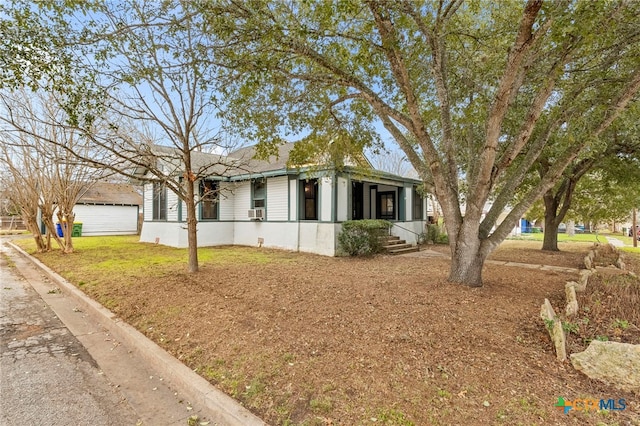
(363, 237)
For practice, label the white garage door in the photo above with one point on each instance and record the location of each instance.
(107, 220)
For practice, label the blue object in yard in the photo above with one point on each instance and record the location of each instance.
(59, 230)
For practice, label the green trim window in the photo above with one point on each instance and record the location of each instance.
(159, 201)
(259, 194)
(208, 200)
(387, 205)
(310, 199)
(418, 205)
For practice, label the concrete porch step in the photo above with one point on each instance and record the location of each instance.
(403, 250)
(401, 244)
(390, 243)
(394, 245)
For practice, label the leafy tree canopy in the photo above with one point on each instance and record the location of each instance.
(474, 93)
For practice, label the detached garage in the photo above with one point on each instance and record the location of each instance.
(109, 209)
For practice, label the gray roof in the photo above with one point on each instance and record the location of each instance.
(121, 194)
(204, 162)
(241, 164)
(248, 164)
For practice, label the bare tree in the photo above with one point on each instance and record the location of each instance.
(152, 102)
(160, 81)
(20, 183)
(42, 157)
(395, 162)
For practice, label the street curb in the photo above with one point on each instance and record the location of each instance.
(224, 409)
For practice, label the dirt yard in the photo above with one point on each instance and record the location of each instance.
(310, 340)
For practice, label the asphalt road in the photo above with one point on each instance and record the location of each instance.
(62, 364)
(46, 376)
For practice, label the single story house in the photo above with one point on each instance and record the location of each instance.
(106, 208)
(267, 203)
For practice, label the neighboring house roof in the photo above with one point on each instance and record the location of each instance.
(105, 193)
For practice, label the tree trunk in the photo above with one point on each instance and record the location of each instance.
(47, 219)
(192, 222)
(66, 221)
(32, 225)
(551, 221)
(66, 233)
(466, 270)
(467, 260)
(550, 240)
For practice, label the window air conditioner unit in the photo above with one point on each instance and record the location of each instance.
(257, 214)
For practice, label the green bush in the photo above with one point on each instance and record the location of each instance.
(435, 235)
(363, 237)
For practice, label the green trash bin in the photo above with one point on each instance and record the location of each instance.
(77, 229)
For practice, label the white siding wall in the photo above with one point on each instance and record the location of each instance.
(318, 238)
(342, 212)
(416, 227)
(214, 234)
(282, 235)
(242, 200)
(325, 198)
(226, 198)
(107, 220)
(104, 219)
(293, 199)
(183, 217)
(148, 201)
(277, 198)
(234, 227)
(166, 233)
(172, 206)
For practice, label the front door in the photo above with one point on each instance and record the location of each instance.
(386, 205)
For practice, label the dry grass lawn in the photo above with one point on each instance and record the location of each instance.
(309, 340)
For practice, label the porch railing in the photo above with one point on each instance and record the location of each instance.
(417, 234)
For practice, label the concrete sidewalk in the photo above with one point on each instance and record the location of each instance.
(158, 388)
(432, 253)
(615, 242)
(46, 375)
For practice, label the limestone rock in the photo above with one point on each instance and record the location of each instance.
(617, 364)
(587, 262)
(572, 301)
(584, 278)
(554, 326)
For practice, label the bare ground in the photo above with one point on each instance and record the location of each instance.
(304, 339)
